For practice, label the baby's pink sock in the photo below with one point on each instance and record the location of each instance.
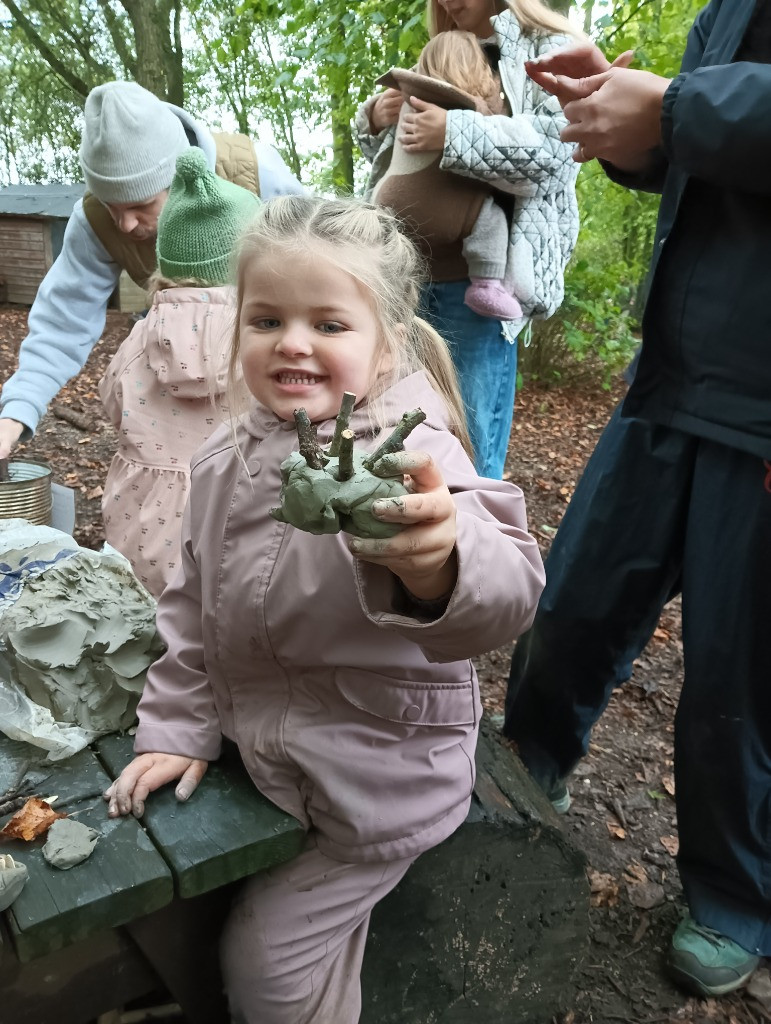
(488, 297)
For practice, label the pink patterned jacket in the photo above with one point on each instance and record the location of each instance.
(164, 393)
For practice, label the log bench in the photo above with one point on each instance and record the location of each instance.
(485, 927)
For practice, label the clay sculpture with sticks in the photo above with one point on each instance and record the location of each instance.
(326, 491)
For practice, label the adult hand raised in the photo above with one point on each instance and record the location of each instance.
(423, 127)
(564, 72)
(616, 116)
(149, 772)
(422, 555)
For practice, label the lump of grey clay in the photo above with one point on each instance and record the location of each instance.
(69, 842)
(13, 875)
(317, 501)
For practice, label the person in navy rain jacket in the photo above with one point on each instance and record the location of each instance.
(677, 495)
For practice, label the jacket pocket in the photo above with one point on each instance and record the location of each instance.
(409, 702)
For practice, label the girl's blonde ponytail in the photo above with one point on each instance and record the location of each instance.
(432, 352)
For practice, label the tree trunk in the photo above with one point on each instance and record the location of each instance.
(159, 61)
(342, 145)
(488, 925)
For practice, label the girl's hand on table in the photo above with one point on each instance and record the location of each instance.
(148, 772)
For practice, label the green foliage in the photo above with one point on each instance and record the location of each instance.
(294, 73)
(336, 49)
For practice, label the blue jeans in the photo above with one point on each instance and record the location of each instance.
(486, 364)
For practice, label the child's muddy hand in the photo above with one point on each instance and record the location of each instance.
(148, 772)
(422, 554)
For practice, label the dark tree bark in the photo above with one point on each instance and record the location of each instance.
(159, 56)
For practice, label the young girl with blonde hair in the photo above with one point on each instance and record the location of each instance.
(339, 665)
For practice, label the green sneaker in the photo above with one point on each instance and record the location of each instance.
(703, 961)
(559, 797)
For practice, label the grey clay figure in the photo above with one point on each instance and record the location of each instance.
(328, 491)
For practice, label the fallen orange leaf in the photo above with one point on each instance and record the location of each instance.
(670, 844)
(34, 818)
(604, 889)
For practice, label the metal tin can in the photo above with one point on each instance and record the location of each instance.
(27, 492)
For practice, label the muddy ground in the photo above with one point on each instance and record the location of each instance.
(623, 813)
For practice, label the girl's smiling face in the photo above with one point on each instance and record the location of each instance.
(307, 334)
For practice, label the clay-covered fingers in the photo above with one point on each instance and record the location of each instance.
(147, 773)
(414, 508)
(418, 466)
(420, 549)
(422, 554)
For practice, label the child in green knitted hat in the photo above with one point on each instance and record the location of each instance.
(165, 389)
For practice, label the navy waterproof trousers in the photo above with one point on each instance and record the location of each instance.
(658, 510)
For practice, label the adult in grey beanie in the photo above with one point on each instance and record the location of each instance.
(130, 143)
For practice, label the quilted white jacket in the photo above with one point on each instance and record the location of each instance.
(520, 155)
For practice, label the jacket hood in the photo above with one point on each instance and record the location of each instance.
(189, 339)
(406, 394)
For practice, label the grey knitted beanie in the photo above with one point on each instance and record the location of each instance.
(130, 143)
(200, 222)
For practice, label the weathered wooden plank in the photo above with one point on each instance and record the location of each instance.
(31, 236)
(123, 878)
(227, 829)
(21, 296)
(27, 272)
(488, 925)
(16, 252)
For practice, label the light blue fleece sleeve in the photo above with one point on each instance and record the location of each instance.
(275, 177)
(66, 321)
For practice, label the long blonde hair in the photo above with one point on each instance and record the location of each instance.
(364, 241)
(457, 58)
(534, 17)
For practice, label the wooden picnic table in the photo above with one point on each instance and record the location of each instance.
(143, 912)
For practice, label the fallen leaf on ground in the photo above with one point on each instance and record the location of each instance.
(616, 830)
(603, 888)
(34, 818)
(635, 873)
(670, 844)
(668, 782)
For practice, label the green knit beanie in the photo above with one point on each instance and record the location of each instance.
(201, 221)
